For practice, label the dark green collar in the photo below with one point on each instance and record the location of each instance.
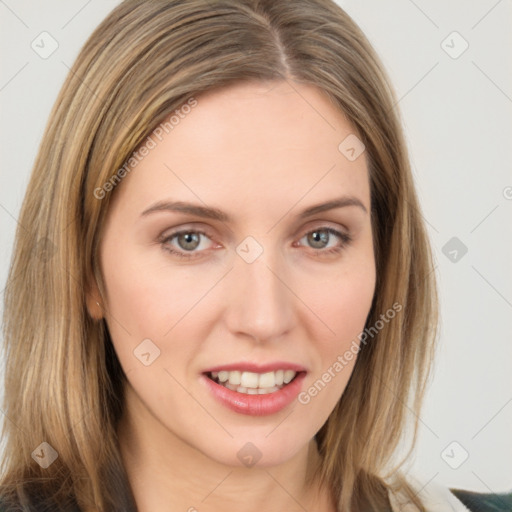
(482, 502)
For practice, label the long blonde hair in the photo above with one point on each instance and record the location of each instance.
(63, 382)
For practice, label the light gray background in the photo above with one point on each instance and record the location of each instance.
(457, 116)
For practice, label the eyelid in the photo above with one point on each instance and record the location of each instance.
(167, 237)
(186, 228)
(342, 234)
(345, 238)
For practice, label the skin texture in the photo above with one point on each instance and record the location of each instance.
(262, 153)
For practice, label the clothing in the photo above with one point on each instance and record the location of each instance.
(439, 498)
(484, 502)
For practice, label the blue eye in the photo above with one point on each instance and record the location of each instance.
(187, 241)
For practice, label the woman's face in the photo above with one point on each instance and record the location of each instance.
(220, 262)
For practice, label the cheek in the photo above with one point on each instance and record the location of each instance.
(343, 304)
(156, 302)
(343, 308)
(347, 306)
(141, 305)
(143, 295)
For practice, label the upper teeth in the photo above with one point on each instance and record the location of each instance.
(255, 380)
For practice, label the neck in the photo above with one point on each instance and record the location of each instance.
(167, 474)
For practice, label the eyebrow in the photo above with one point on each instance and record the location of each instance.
(216, 214)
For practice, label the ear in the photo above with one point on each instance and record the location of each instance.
(93, 300)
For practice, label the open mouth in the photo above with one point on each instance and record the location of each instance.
(251, 383)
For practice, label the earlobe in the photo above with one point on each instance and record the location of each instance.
(94, 303)
(95, 310)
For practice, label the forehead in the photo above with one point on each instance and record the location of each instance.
(250, 144)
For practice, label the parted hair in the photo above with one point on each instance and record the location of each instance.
(63, 381)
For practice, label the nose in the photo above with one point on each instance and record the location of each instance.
(260, 303)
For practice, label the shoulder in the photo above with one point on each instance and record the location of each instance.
(484, 502)
(437, 497)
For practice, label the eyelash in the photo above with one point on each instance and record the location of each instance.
(344, 237)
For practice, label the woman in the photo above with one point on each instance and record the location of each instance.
(222, 295)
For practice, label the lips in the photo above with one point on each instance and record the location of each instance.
(254, 379)
(257, 368)
(255, 389)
